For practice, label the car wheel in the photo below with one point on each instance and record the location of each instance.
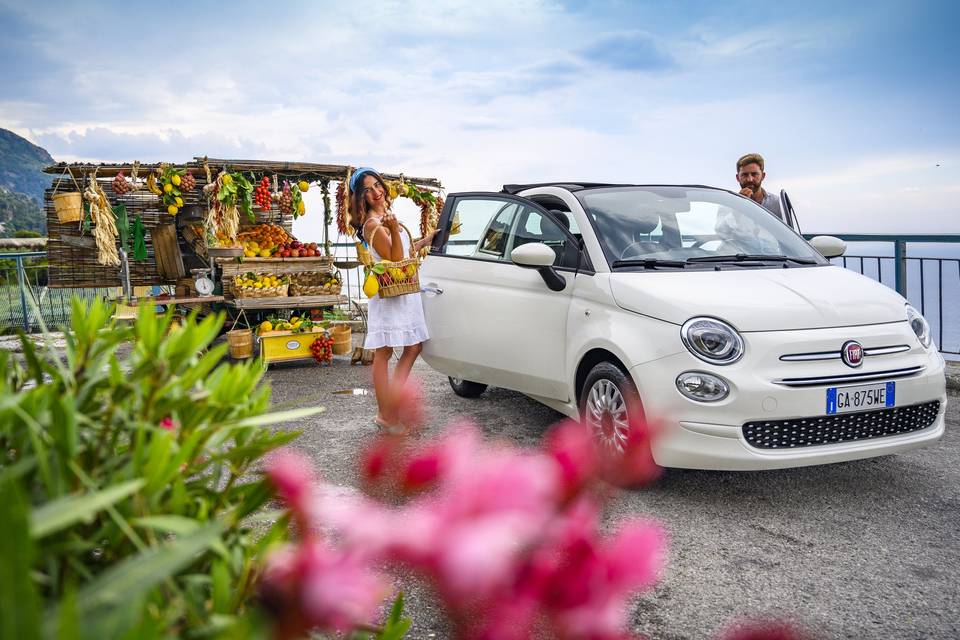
(465, 388)
(606, 403)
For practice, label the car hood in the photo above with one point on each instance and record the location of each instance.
(760, 299)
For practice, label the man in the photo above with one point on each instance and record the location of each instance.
(750, 175)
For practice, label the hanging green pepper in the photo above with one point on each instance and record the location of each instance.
(123, 225)
(139, 240)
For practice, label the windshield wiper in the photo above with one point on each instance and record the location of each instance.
(751, 257)
(649, 263)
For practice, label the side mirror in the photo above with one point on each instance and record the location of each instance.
(539, 256)
(535, 255)
(829, 246)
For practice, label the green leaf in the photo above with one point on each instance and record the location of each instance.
(19, 605)
(276, 417)
(138, 574)
(68, 622)
(61, 513)
(396, 626)
(180, 525)
(220, 574)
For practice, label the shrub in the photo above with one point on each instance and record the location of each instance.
(125, 477)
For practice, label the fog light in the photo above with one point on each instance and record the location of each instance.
(702, 387)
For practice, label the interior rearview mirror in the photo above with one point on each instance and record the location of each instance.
(829, 246)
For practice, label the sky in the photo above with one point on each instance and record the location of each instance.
(853, 104)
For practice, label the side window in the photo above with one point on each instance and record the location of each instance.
(535, 227)
(480, 228)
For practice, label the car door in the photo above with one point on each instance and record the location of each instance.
(789, 214)
(489, 320)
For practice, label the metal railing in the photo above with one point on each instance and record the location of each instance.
(931, 284)
(23, 278)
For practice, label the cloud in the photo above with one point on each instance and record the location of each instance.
(630, 51)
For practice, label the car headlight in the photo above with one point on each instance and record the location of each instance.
(919, 325)
(702, 387)
(712, 340)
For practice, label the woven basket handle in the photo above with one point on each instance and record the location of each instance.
(364, 255)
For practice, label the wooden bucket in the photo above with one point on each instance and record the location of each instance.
(69, 206)
(241, 343)
(342, 343)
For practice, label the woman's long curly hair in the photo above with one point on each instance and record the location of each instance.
(358, 202)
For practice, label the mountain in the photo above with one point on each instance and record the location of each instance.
(22, 183)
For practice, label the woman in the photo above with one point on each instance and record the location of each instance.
(391, 322)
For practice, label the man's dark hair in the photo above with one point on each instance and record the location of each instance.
(750, 158)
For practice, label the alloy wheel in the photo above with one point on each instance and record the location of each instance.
(606, 416)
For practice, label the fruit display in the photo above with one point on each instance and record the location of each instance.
(263, 240)
(294, 325)
(260, 285)
(297, 249)
(120, 184)
(315, 283)
(296, 203)
(322, 349)
(171, 194)
(261, 194)
(187, 182)
(286, 199)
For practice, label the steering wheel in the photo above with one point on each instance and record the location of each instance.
(638, 248)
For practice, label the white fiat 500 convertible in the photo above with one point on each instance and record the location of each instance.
(736, 335)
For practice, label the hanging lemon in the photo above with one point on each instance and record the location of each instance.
(370, 286)
(175, 180)
(172, 210)
(304, 185)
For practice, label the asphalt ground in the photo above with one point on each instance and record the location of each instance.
(864, 549)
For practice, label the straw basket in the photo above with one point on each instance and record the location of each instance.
(241, 343)
(69, 206)
(398, 278)
(315, 283)
(341, 335)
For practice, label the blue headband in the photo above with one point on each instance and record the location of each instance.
(356, 176)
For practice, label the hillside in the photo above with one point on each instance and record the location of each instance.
(19, 212)
(22, 183)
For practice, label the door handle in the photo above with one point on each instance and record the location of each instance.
(436, 290)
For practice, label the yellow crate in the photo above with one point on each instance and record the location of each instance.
(283, 346)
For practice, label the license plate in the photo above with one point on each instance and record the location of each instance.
(861, 398)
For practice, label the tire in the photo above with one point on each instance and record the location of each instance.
(465, 388)
(608, 402)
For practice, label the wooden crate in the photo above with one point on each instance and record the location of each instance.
(284, 346)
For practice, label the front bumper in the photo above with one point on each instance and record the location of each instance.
(697, 435)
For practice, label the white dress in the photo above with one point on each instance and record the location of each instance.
(396, 321)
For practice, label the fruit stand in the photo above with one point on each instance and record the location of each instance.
(213, 233)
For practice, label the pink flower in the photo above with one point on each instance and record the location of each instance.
(317, 587)
(292, 475)
(635, 466)
(409, 405)
(573, 450)
(168, 424)
(763, 630)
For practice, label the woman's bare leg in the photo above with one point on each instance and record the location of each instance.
(407, 358)
(381, 384)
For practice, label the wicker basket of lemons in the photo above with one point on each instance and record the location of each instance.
(260, 285)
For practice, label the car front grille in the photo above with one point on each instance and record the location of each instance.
(844, 427)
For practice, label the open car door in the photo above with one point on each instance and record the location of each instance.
(490, 320)
(789, 214)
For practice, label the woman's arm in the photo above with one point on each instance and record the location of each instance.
(425, 241)
(386, 238)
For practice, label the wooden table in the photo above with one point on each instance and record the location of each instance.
(287, 302)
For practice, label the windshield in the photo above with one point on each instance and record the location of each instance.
(647, 225)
